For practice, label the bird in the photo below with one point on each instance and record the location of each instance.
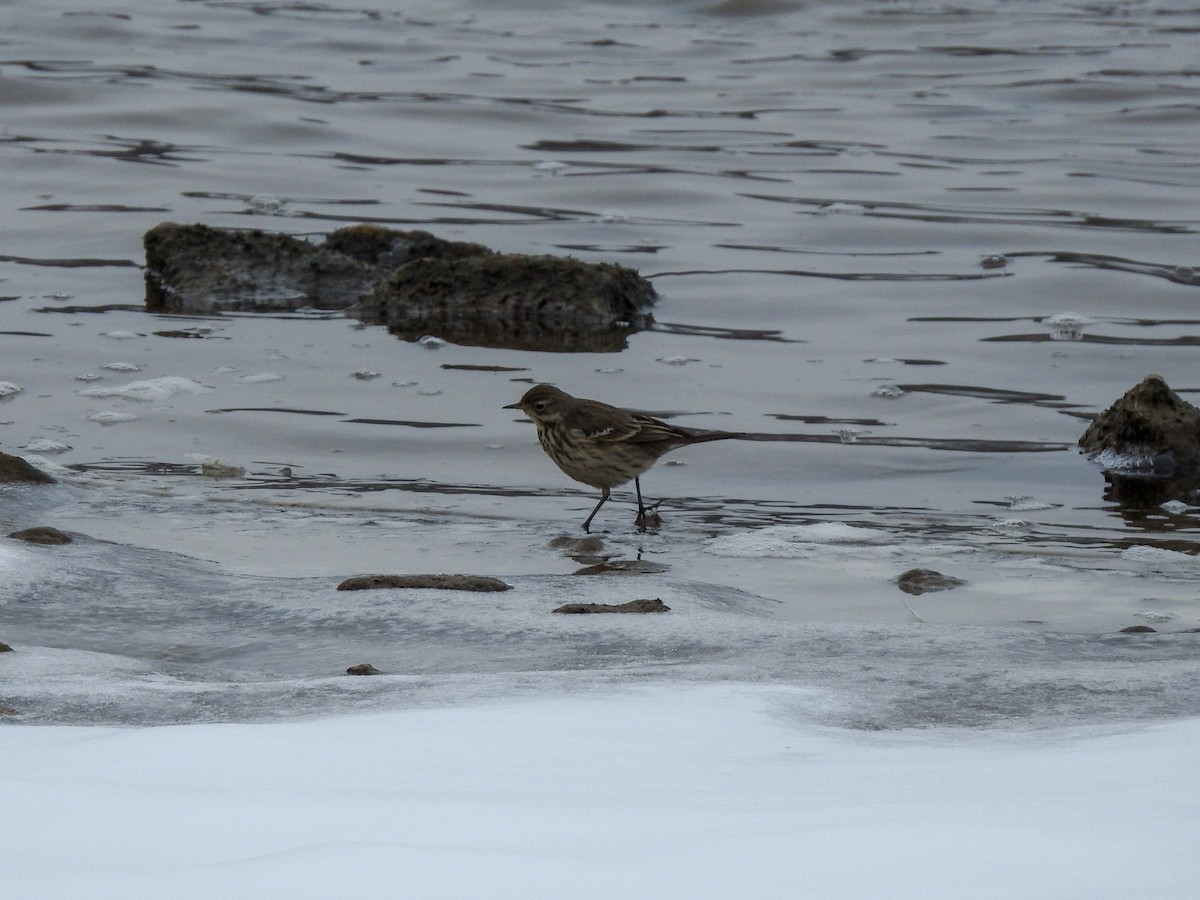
(604, 446)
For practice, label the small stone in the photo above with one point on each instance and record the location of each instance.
(633, 606)
(363, 669)
(923, 581)
(42, 534)
(441, 582)
(1139, 629)
(591, 545)
(4, 648)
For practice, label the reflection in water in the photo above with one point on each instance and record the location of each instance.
(1139, 499)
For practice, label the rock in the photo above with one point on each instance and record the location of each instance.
(42, 534)
(6, 710)
(513, 301)
(633, 606)
(363, 669)
(412, 282)
(4, 648)
(1152, 424)
(1139, 629)
(923, 581)
(442, 582)
(197, 269)
(15, 470)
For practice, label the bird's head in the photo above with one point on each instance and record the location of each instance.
(543, 403)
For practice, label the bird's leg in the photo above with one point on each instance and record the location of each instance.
(588, 520)
(647, 515)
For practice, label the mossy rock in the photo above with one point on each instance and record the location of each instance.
(513, 301)
(15, 470)
(1152, 424)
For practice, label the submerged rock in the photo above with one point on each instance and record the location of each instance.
(42, 534)
(513, 301)
(633, 606)
(1151, 427)
(363, 669)
(15, 470)
(923, 581)
(443, 582)
(412, 282)
(623, 567)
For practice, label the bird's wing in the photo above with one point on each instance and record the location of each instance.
(599, 422)
(645, 430)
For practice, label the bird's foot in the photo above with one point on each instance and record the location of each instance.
(648, 517)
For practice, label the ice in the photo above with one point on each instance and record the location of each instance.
(551, 166)
(1146, 553)
(152, 390)
(1120, 462)
(1067, 326)
(46, 445)
(1027, 504)
(841, 208)
(667, 791)
(213, 467)
(111, 417)
(265, 205)
(793, 540)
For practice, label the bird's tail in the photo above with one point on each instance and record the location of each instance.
(700, 437)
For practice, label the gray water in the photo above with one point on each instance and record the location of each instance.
(861, 219)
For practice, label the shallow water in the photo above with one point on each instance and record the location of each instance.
(860, 218)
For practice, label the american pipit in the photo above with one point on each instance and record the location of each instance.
(602, 445)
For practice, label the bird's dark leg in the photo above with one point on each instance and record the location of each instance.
(603, 497)
(647, 515)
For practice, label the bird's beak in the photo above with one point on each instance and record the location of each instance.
(512, 406)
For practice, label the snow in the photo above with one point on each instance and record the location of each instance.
(672, 790)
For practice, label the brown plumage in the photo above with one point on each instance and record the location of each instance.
(601, 445)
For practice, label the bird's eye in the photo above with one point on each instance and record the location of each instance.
(540, 405)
